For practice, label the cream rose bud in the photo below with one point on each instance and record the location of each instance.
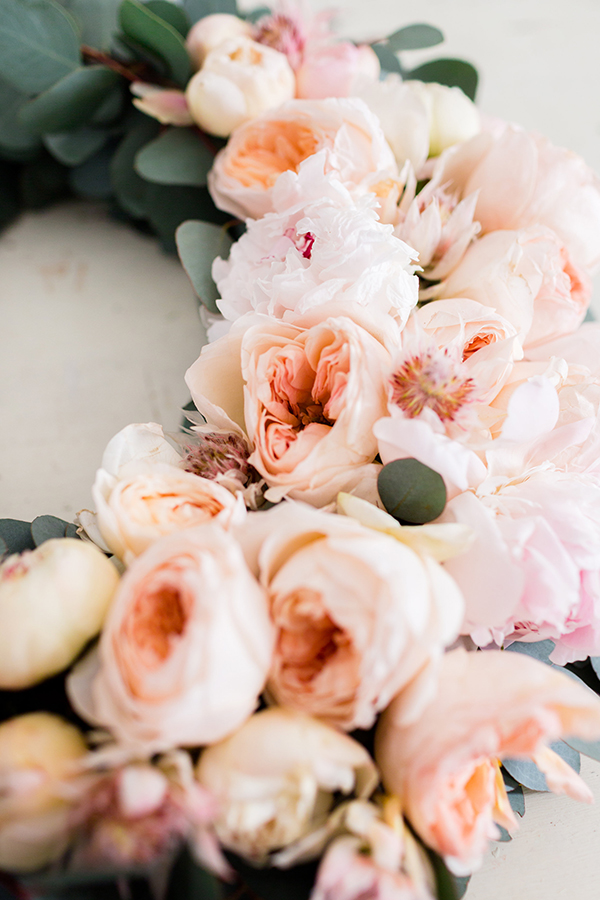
(37, 752)
(52, 601)
(185, 650)
(211, 31)
(239, 80)
(453, 117)
(275, 778)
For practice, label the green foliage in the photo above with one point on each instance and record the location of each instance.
(452, 72)
(415, 37)
(411, 492)
(516, 798)
(188, 881)
(145, 28)
(526, 773)
(198, 243)
(197, 9)
(169, 12)
(9, 197)
(276, 884)
(387, 58)
(73, 147)
(15, 138)
(92, 178)
(39, 44)
(167, 206)
(130, 189)
(177, 156)
(445, 883)
(16, 535)
(70, 102)
(42, 182)
(46, 528)
(97, 20)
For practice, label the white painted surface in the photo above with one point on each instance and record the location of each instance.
(98, 327)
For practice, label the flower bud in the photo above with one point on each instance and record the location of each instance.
(211, 31)
(240, 79)
(52, 601)
(453, 117)
(38, 751)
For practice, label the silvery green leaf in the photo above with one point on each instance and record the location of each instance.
(177, 156)
(415, 37)
(71, 101)
(198, 244)
(145, 28)
(73, 147)
(527, 773)
(539, 650)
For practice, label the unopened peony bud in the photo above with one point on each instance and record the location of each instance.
(209, 32)
(453, 117)
(52, 601)
(37, 752)
(239, 80)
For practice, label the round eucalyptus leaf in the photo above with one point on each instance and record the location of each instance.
(527, 773)
(387, 58)
(197, 9)
(70, 102)
(170, 13)
(97, 20)
(198, 243)
(111, 107)
(452, 72)
(92, 178)
(145, 28)
(128, 186)
(415, 37)
(14, 136)
(16, 535)
(47, 528)
(177, 156)
(39, 43)
(73, 147)
(170, 205)
(411, 492)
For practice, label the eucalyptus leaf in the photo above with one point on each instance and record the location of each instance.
(143, 26)
(131, 51)
(586, 748)
(595, 662)
(255, 14)
(198, 244)
(276, 884)
(42, 182)
(169, 12)
(452, 72)
(170, 205)
(97, 20)
(461, 885)
(111, 107)
(73, 147)
(47, 528)
(197, 9)
(39, 43)
(14, 136)
(527, 773)
(387, 58)
(129, 188)
(177, 156)
(415, 37)
(3, 550)
(70, 102)
(516, 798)
(16, 534)
(539, 650)
(411, 492)
(504, 836)
(445, 882)
(189, 880)
(92, 178)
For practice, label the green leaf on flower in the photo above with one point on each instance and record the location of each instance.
(198, 244)
(14, 136)
(527, 773)
(73, 147)
(97, 20)
(170, 205)
(452, 72)
(145, 28)
(411, 492)
(197, 9)
(16, 534)
(387, 58)
(177, 156)
(516, 798)
(130, 189)
(92, 178)
(47, 528)
(39, 43)
(70, 102)
(415, 37)
(169, 12)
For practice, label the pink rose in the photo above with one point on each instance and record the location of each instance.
(489, 706)
(174, 666)
(359, 615)
(523, 180)
(306, 398)
(244, 172)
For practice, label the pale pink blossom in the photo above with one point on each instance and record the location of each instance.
(523, 180)
(489, 706)
(359, 614)
(318, 247)
(174, 667)
(244, 172)
(333, 71)
(169, 106)
(306, 398)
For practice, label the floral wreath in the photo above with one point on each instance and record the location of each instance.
(316, 644)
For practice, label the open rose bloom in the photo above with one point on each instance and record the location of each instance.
(285, 627)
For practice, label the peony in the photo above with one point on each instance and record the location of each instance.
(306, 398)
(275, 778)
(523, 180)
(53, 600)
(210, 32)
(359, 615)
(141, 493)
(318, 246)
(186, 648)
(38, 753)
(239, 80)
(244, 172)
(444, 767)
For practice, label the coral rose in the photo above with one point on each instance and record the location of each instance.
(444, 766)
(306, 398)
(244, 172)
(359, 615)
(186, 648)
